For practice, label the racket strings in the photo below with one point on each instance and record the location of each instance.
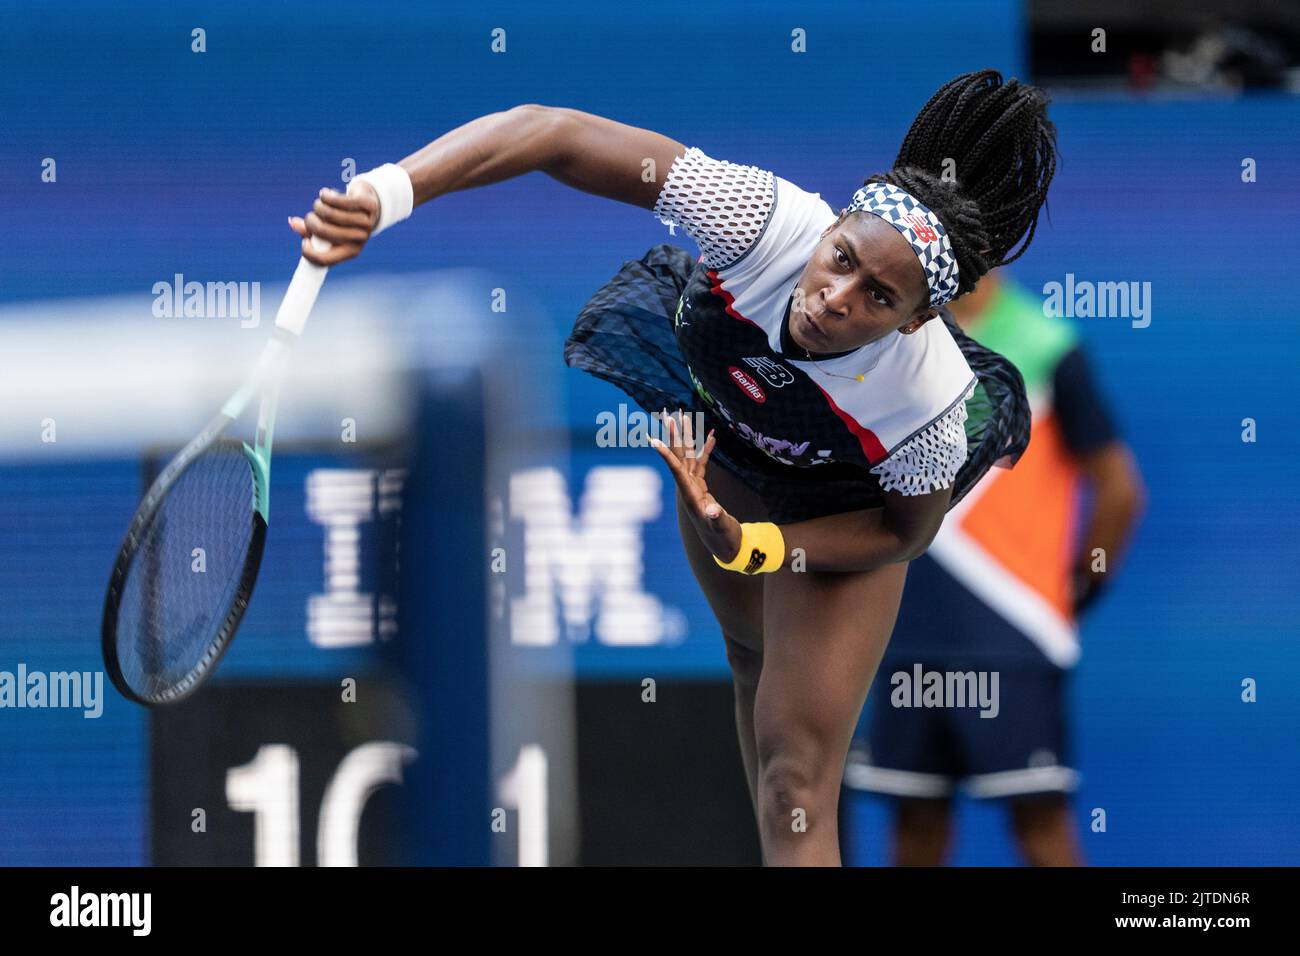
(186, 572)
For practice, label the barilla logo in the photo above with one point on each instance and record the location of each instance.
(924, 231)
(747, 384)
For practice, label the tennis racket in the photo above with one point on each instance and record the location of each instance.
(185, 572)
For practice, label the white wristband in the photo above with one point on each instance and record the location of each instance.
(392, 184)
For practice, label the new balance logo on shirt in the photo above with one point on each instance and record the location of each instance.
(774, 372)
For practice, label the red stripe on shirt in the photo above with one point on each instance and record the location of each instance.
(871, 446)
(729, 300)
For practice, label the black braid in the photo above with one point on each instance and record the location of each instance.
(1004, 147)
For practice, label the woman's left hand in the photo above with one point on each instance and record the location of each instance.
(719, 531)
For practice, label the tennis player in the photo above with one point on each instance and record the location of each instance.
(842, 419)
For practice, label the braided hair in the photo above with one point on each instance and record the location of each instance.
(1004, 147)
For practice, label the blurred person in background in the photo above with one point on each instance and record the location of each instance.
(1001, 591)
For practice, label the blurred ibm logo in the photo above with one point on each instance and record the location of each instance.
(343, 500)
(584, 567)
(582, 573)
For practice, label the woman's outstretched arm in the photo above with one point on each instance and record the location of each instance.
(582, 150)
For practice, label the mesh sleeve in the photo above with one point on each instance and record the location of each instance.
(723, 206)
(930, 459)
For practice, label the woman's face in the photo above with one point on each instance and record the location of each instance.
(863, 282)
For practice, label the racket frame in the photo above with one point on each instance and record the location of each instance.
(265, 380)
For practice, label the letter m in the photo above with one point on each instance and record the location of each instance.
(587, 569)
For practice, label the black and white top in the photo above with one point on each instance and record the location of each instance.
(756, 231)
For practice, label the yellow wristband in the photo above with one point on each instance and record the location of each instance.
(762, 549)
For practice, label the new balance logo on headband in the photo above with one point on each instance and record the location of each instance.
(924, 231)
(921, 228)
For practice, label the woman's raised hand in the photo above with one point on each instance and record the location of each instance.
(719, 531)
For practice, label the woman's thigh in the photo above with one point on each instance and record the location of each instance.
(824, 634)
(736, 599)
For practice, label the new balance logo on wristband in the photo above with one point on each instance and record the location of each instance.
(761, 551)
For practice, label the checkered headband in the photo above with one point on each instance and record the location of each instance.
(921, 228)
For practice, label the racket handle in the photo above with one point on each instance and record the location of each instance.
(302, 292)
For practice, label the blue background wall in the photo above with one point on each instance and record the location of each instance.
(171, 161)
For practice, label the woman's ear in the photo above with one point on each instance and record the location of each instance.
(918, 320)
